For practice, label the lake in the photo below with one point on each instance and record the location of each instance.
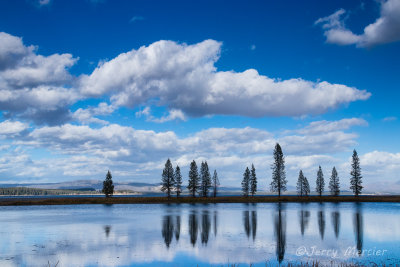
(199, 235)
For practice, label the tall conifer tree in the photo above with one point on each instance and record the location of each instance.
(168, 180)
(178, 181)
(356, 178)
(215, 182)
(253, 181)
(193, 185)
(108, 187)
(205, 179)
(320, 183)
(301, 184)
(278, 183)
(334, 186)
(246, 182)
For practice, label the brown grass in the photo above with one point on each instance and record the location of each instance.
(192, 200)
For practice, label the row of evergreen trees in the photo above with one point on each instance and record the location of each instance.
(200, 184)
(303, 187)
(249, 183)
(279, 181)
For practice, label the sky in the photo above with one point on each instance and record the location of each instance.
(89, 86)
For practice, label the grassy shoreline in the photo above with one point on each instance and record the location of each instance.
(15, 201)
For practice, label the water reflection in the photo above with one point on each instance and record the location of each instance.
(254, 223)
(335, 215)
(140, 235)
(107, 230)
(321, 223)
(193, 227)
(246, 222)
(178, 227)
(358, 227)
(250, 223)
(304, 217)
(215, 222)
(167, 229)
(280, 231)
(205, 226)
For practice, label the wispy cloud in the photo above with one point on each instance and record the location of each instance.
(173, 114)
(135, 19)
(44, 2)
(392, 118)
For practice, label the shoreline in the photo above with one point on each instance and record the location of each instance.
(15, 201)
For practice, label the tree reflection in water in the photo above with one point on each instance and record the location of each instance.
(304, 218)
(167, 229)
(107, 230)
(205, 226)
(321, 223)
(250, 223)
(336, 222)
(178, 227)
(358, 227)
(193, 227)
(280, 231)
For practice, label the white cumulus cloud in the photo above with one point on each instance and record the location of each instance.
(12, 127)
(32, 85)
(184, 77)
(385, 29)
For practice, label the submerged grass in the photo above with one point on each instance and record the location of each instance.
(192, 200)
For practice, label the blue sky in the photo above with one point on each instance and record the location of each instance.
(87, 86)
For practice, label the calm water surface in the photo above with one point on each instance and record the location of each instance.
(199, 235)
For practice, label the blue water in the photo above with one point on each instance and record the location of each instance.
(199, 235)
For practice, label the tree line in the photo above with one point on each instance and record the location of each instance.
(20, 191)
(202, 184)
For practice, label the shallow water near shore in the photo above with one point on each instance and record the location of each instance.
(199, 235)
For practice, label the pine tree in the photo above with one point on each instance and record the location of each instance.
(320, 182)
(278, 183)
(301, 184)
(193, 185)
(334, 183)
(253, 181)
(356, 178)
(215, 181)
(168, 181)
(108, 187)
(306, 187)
(178, 181)
(245, 182)
(205, 179)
